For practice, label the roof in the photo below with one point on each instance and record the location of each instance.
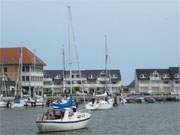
(11, 56)
(85, 73)
(147, 72)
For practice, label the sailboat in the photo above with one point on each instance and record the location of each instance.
(37, 100)
(3, 88)
(19, 102)
(64, 116)
(102, 101)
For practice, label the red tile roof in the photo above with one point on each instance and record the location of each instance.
(12, 55)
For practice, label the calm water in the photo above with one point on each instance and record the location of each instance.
(129, 119)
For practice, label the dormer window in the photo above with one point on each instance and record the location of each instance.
(155, 74)
(176, 76)
(114, 76)
(142, 76)
(91, 76)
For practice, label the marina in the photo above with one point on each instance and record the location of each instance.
(136, 119)
(72, 86)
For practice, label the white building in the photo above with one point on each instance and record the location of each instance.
(92, 80)
(158, 81)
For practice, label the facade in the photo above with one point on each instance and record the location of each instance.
(158, 81)
(21, 64)
(91, 80)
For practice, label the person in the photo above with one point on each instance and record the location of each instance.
(74, 108)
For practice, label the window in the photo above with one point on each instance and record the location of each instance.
(5, 69)
(142, 76)
(114, 76)
(27, 78)
(23, 78)
(176, 82)
(176, 76)
(23, 69)
(166, 82)
(27, 68)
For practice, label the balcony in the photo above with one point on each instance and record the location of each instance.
(155, 78)
(103, 79)
(47, 79)
(27, 83)
(32, 74)
(75, 79)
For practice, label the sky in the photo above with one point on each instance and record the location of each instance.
(140, 33)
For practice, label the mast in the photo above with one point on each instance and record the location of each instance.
(71, 35)
(69, 47)
(106, 54)
(107, 71)
(3, 85)
(21, 63)
(64, 69)
(106, 61)
(19, 77)
(34, 69)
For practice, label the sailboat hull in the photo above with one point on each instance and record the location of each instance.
(59, 125)
(103, 105)
(91, 106)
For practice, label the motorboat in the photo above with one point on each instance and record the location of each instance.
(63, 117)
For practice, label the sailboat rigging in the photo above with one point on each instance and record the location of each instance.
(65, 115)
(107, 103)
(19, 102)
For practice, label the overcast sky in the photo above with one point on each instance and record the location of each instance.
(141, 33)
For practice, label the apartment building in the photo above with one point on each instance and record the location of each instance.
(89, 80)
(20, 62)
(158, 81)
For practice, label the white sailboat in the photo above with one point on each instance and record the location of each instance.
(64, 117)
(3, 88)
(102, 101)
(19, 102)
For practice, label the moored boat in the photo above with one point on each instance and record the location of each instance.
(105, 104)
(3, 104)
(63, 117)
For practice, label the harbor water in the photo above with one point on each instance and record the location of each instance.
(128, 119)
